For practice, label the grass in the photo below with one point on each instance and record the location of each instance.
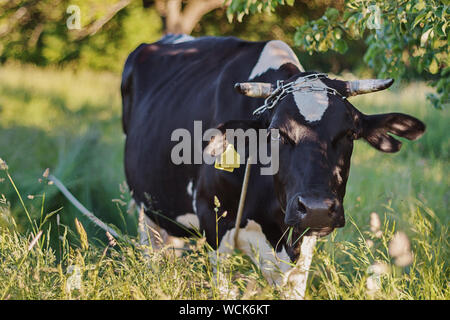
(70, 122)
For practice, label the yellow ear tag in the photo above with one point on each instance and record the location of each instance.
(228, 160)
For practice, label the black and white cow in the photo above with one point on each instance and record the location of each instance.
(171, 83)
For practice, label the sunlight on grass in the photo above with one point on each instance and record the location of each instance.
(48, 98)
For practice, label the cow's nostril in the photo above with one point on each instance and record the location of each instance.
(301, 206)
(332, 208)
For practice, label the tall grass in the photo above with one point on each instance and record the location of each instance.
(70, 122)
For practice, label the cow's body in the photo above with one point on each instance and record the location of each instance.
(168, 86)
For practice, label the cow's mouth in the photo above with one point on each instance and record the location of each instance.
(319, 232)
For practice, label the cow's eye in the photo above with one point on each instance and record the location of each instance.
(344, 136)
(352, 135)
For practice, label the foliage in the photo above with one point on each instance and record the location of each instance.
(411, 36)
(243, 7)
(36, 32)
(282, 26)
(41, 36)
(412, 39)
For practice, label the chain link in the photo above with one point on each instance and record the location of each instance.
(282, 90)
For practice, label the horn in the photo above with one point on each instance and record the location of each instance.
(366, 86)
(254, 89)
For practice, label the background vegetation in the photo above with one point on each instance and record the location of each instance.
(60, 109)
(401, 39)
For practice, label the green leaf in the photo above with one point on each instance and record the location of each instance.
(289, 238)
(323, 46)
(433, 67)
(216, 202)
(420, 5)
(340, 46)
(418, 19)
(332, 14)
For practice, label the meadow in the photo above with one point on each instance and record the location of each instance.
(70, 122)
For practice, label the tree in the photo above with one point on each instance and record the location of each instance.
(36, 30)
(404, 37)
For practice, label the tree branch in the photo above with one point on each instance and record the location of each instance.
(173, 16)
(98, 24)
(34, 38)
(20, 16)
(195, 10)
(179, 20)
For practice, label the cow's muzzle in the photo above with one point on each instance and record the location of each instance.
(314, 213)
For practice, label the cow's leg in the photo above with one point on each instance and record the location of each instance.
(297, 277)
(152, 236)
(252, 242)
(274, 266)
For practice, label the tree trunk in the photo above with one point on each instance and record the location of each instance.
(183, 19)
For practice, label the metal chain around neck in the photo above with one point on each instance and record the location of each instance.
(301, 84)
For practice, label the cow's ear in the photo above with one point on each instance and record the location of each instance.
(218, 141)
(375, 130)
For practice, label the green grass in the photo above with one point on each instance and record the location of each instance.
(70, 122)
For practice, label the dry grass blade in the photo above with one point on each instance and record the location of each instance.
(289, 238)
(34, 241)
(157, 235)
(83, 235)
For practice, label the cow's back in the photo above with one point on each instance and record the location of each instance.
(169, 86)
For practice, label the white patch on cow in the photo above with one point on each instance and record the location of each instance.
(194, 201)
(273, 56)
(183, 38)
(283, 261)
(275, 267)
(297, 277)
(253, 242)
(189, 188)
(312, 105)
(189, 220)
(193, 194)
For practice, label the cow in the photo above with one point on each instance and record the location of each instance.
(229, 83)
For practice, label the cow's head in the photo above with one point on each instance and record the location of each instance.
(317, 127)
